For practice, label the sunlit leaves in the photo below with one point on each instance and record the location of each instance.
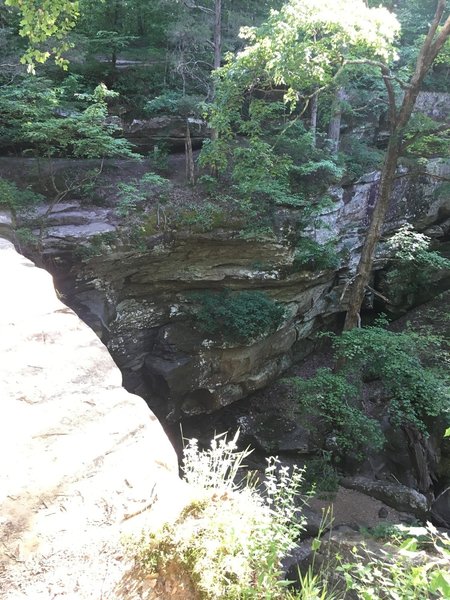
(42, 20)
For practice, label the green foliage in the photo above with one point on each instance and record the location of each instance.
(359, 158)
(402, 570)
(201, 217)
(238, 316)
(312, 256)
(160, 158)
(231, 537)
(414, 265)
(321, 475)
(43, 20)
(133, 194)
(174, 103)
(417, 390)
(97, 245)
(334, 400)
(16, 198)
(26, 238)
(425, 137)
(34, 117)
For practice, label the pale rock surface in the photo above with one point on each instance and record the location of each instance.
(83, 462)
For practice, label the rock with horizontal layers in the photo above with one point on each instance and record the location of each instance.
(83, 461)
(400, 497)
(140, 300)
(164, 131)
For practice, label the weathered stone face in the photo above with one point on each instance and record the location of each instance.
(83, 461)
(139, 301)
(166, 131)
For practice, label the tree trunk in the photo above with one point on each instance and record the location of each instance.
(313, 120)
(217, 50)
(398, 121)
(357, 290)
(217, 33)
(334, 128)
(190, 166)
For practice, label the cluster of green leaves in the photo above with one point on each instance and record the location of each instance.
(201, 217)
(336, 401)
(174, 103)
(50, 19)
(425, 137)
(33, 116)
(359, 157)
(238, 316)
(402, 569)
(97, 245)
(312, 256)
(414, 264)
(411, 367)
(16, 198)
(133, 194)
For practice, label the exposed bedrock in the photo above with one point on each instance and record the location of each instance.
(140, 301)
(84, 462)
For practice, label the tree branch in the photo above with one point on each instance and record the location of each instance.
(204, 9)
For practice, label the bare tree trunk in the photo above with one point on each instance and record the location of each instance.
(357, 290)
(334, 128)
(190, 166)
(313, 119)
(217, 50)
(398, 121)
(217, 33)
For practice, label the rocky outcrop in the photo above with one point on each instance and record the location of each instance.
(398, 496)
(83, 461)
(164, 132)
(139, 300)
(435, 105)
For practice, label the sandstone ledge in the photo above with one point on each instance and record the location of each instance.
(83, 462)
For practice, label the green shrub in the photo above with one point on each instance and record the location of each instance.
(414, 264)
(335, 401)
(26, 238)
(201, 217)
(231, 537)
(133, 194)
(402, 570)
(238, 316)
(359, 158)
(174, 103)
(411, 367)
(312, 256)
(97, 245)
(16, 198)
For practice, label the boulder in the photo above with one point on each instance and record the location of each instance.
(166, 131)
(400, 497)
(84, 462)
(440, 509)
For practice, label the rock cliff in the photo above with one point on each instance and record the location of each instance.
(83, 461)
(139, 299)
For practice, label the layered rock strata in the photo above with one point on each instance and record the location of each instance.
(139, 300)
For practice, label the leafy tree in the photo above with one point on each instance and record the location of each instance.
(305, 48)
(42, 21)
(399, 117)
